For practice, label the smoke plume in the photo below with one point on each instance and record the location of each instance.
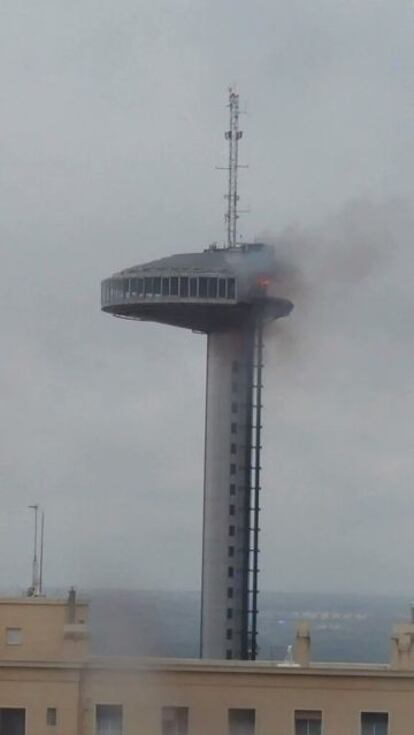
(324, 264)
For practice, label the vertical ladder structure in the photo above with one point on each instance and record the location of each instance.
(255, 487)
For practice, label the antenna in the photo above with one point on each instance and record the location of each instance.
(35, 589)
(233, 135)
(42, 545)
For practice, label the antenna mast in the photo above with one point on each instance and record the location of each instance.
(233, 135)
(37, 565)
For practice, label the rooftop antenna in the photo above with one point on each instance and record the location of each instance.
(233, 136)
(34, 590)
(42, 544)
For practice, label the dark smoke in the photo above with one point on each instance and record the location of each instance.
(328, 262)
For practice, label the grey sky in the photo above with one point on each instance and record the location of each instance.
(112, 122)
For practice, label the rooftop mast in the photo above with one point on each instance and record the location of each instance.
(233, 135)
(37, 565)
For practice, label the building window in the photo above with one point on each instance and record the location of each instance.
(14, 636)
(184, 286)
(149, 286)
(241, 721)
(232, 530)
(229, 634)
(234, 387)
(12, 721)
(193, 288)
(233, 469)
(230, 592)
(234, 428)
(222, 288)
(108, 719)
(231, 288)
(230, 572)
(165, 286)
(202, 287)
(140, 286)
(231, 550)
(234, 407)
(232, 510)
(212, 288)
(174, 286)
(374, 723)
(157, 286)
(308, 722)
(174, 720)
(232, 488)
(229, 613)
(51, 716)
(229, 654)
(233, 448)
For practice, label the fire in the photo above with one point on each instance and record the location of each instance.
(263, 281)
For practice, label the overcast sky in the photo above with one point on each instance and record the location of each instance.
(112, 121)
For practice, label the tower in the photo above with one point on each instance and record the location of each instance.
(228, 294)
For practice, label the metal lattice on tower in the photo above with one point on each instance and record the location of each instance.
(233, 135)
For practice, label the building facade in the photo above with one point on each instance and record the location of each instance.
(49, 683)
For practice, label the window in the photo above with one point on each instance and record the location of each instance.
(222, 288)
(174, 286)
(157, 286)
(108, 719)
(308, 722)
(14, 636)
(184, 286)
(232, 488)
(231, 288)
(232, 510)
(230, 572)
(51, 716)
(229, 654)
(234, 407)
(234, 387)
(229, 613)
(212, 288)
(231, 550)
(140, 286)
(229, 592)
(234, 428)
(165, 286)
(241, 721)
(229, 634)
(174, 720)
(12, 721)
(202, 288)
(125, 287)
(233, 448)
(149, 286)
(374, 723)
(193, 288)
(232, 530)
(233, 469)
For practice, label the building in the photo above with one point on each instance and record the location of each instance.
(49, 683)
(227, 294)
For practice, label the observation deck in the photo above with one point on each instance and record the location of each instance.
(214, 290)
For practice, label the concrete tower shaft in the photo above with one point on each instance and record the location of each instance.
(227, 570)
